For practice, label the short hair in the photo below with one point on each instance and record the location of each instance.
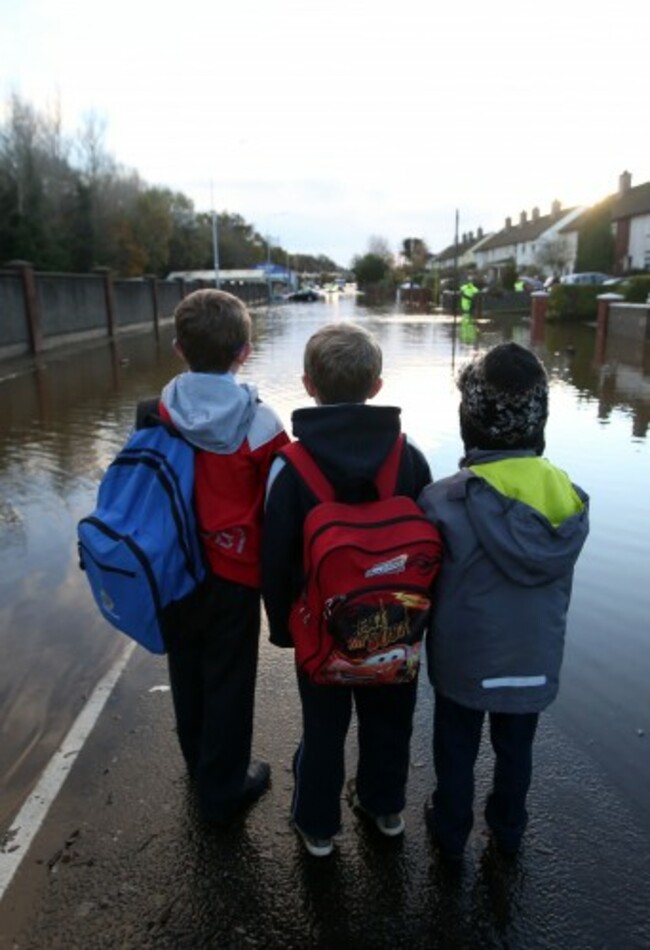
(343, 361)
(211, 328)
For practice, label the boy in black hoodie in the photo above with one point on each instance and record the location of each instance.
(349, 440)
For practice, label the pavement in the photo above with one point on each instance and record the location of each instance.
(123, 860)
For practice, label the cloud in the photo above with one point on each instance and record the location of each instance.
(325, 123)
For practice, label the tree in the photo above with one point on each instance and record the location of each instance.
(370, 269)
(379, 247)
(595, 240)
(415, 250)
(65, 204)
(553, 254)
(190, 243)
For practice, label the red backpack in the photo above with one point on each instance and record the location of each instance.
(369, 569)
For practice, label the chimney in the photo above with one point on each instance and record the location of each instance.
(624, 183)
(556, 208)
(522, 218)
(535, 214)
(508, 223)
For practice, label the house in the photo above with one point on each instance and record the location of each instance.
(630, 214)
(459, 256)
(627, 214)
(525, 243)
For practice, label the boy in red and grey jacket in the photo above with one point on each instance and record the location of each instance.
(213, 647)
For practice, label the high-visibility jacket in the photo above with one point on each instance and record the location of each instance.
(467, 293)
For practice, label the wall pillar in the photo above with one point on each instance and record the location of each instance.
(153, 285)
(538, 311)
(602, 320)
(32, 309)
(106, 274)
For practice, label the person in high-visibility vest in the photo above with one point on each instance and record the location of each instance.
(519, 285)
(468, 291)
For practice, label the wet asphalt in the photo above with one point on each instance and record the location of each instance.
(123, 860)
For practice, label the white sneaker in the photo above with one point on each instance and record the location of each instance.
(390, 825)
(317, 847)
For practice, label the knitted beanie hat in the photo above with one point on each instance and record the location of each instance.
(504, 400)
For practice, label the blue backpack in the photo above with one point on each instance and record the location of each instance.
(140, 547)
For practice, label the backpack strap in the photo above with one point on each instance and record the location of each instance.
(147, 414)
(386, 478)
(297, 455)
(151, 412)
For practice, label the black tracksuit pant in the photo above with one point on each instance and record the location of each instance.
(212, 658)
(456, 741)
(385, 722)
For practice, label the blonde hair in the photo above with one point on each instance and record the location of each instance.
(343, 361)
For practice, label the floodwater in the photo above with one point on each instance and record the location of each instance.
(63, 417)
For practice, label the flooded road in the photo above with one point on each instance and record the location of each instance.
(63, 417)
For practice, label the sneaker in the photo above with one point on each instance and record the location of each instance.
(256, 782)
(454, 858)
(390, 825)
(317, 847)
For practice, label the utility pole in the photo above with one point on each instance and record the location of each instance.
(215, 239)
(456, 288)
(215, 249)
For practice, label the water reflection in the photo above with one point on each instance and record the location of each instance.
(63, 417)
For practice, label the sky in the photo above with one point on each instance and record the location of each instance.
(325, 124)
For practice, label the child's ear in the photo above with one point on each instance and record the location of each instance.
(179, 350)
(243, 354)
(376, 386)
(309, 386)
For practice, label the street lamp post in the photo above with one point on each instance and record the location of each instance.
(215, 249)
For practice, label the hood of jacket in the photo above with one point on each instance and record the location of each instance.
(211, 410)
(529, 518)
(348, 440)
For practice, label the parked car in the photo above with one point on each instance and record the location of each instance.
(586, 277)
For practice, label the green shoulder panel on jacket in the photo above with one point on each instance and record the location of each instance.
(535, 482)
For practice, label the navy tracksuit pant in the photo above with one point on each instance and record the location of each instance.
(212, 657)
(385, 722)
(456, 740)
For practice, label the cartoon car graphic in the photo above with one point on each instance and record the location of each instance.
(394, 665)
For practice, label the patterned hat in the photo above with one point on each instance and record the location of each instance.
(504, 400)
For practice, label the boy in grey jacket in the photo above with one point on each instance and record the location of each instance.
(513, 526)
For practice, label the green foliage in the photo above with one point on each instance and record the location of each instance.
(370, 269)
(635, 289)
(595, 240)
(572, 301)
(66, 205)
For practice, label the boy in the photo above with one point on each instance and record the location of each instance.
(513, 526)
(349, 440)
(213, 646)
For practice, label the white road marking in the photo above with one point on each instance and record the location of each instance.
(31, 816)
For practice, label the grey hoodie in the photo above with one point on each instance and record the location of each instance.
(212, 410)
(501, 600)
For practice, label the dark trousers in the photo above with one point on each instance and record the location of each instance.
(212, 668)
(385, 722)
(456, 741)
